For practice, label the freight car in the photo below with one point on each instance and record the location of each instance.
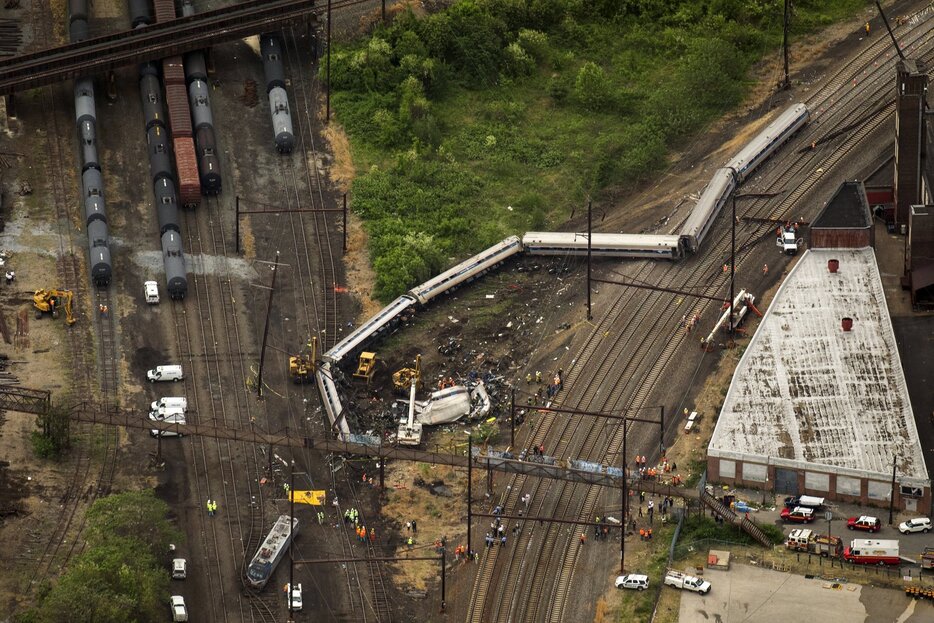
(274, 72)
(173, 258)
(92, 181)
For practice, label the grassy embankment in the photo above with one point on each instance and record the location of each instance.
(492, 118)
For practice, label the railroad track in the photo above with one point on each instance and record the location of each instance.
(79, 494)
(522, 595)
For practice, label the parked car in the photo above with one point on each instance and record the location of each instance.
(918, 524)
(798, 514)
(296, 597)
(151, 292)
(179, 611)
(633, 580)
(179, 568)
(864, 522)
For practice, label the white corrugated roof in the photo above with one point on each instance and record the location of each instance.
(807, 392)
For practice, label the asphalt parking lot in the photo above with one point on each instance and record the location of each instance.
(746, 593)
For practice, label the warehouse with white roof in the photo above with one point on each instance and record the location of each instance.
(818, 404)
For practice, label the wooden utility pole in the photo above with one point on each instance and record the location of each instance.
(786, 81)
(262, 352)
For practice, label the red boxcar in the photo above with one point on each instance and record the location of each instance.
(173, 70)
(165, 10)
(176, 98)
(189, 185)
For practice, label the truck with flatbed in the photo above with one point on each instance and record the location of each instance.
(803, 540)
(872, 552)
(687, 582)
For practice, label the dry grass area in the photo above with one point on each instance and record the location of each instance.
(435, 515)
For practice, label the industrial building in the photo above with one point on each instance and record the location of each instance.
(818, 404)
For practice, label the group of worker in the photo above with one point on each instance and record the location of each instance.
(362, 534)
(557, 382)
(602, 530)
(212, 507)
(352, 516)
(461, 553)
(645, 534)
(446, 382)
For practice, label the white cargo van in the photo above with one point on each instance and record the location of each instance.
(151, 292)
(169, 402)
(176, 417)
(165, 373)
(169, 414)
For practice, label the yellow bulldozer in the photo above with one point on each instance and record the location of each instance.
(302, 366)
(51, 301)
(402, 379)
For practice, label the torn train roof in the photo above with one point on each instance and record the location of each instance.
(806, 391)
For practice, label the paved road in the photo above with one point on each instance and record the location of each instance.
(747, 594)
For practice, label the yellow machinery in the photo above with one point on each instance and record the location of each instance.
(302, 367)
(366, 366)
(402, 379)
(51, 300)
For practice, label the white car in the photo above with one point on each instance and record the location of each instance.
(151, 292)
(179, 611)
(296, 597)
(633, 580)
(918, 524)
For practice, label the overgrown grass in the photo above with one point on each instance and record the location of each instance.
(495, 117)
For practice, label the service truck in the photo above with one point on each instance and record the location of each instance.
(872, 552)
(687, 582)
(927, 558)
(803, 540)
(788, 240)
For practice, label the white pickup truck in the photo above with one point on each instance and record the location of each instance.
(687, 582)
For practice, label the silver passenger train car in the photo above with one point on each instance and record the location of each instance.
(636, 246)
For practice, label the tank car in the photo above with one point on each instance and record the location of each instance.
(160, 160)
(84, 100)
(281, 120)
(99, 253)
(200, 103)
(150, 92)
(175, 276)
(140, 15)
(87, 137)
(195, 67)
(209, 168)
(94, 209)
(270, 49)
(92, 182)
(77, 10)
(166, 205)
(78, 30)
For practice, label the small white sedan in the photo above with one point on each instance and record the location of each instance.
(633, 580)
(918, 524)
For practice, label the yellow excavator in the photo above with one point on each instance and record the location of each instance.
(51, 300)
(402, 379)
(302, 367)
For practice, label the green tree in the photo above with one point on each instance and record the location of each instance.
(132, 515)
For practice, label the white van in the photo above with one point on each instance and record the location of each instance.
(173, 418)
(151, 292)
(165, 373)
(168, 414)
(169, 402)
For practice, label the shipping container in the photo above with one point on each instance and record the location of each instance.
(189, 187)
(176, 96)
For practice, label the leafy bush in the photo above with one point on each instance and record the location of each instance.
(518, 61)
(43, 446)
(534, 42)
(591, 87)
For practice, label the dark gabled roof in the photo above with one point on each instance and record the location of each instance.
(847, 208)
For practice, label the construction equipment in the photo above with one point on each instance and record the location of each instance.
(51, 300)
(366, 367)
(410, 430)
(402, 379)
(302, 367)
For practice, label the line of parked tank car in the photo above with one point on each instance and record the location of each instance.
(270, 47)
(637, 246)
(92, 180)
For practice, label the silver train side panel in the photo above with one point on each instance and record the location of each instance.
(707, 208)
(467, 270)
(647, 246)
(771, 138)
(369, 329)
(332, 401)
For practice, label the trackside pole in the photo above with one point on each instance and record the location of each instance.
(469, 489)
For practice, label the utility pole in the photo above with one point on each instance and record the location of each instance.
(327, 99)
(589, 235)
(291, 536)
(892, 493)
(786, 81)
(622, 534)
(262, 352)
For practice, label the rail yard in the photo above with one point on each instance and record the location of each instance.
(254, 272)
